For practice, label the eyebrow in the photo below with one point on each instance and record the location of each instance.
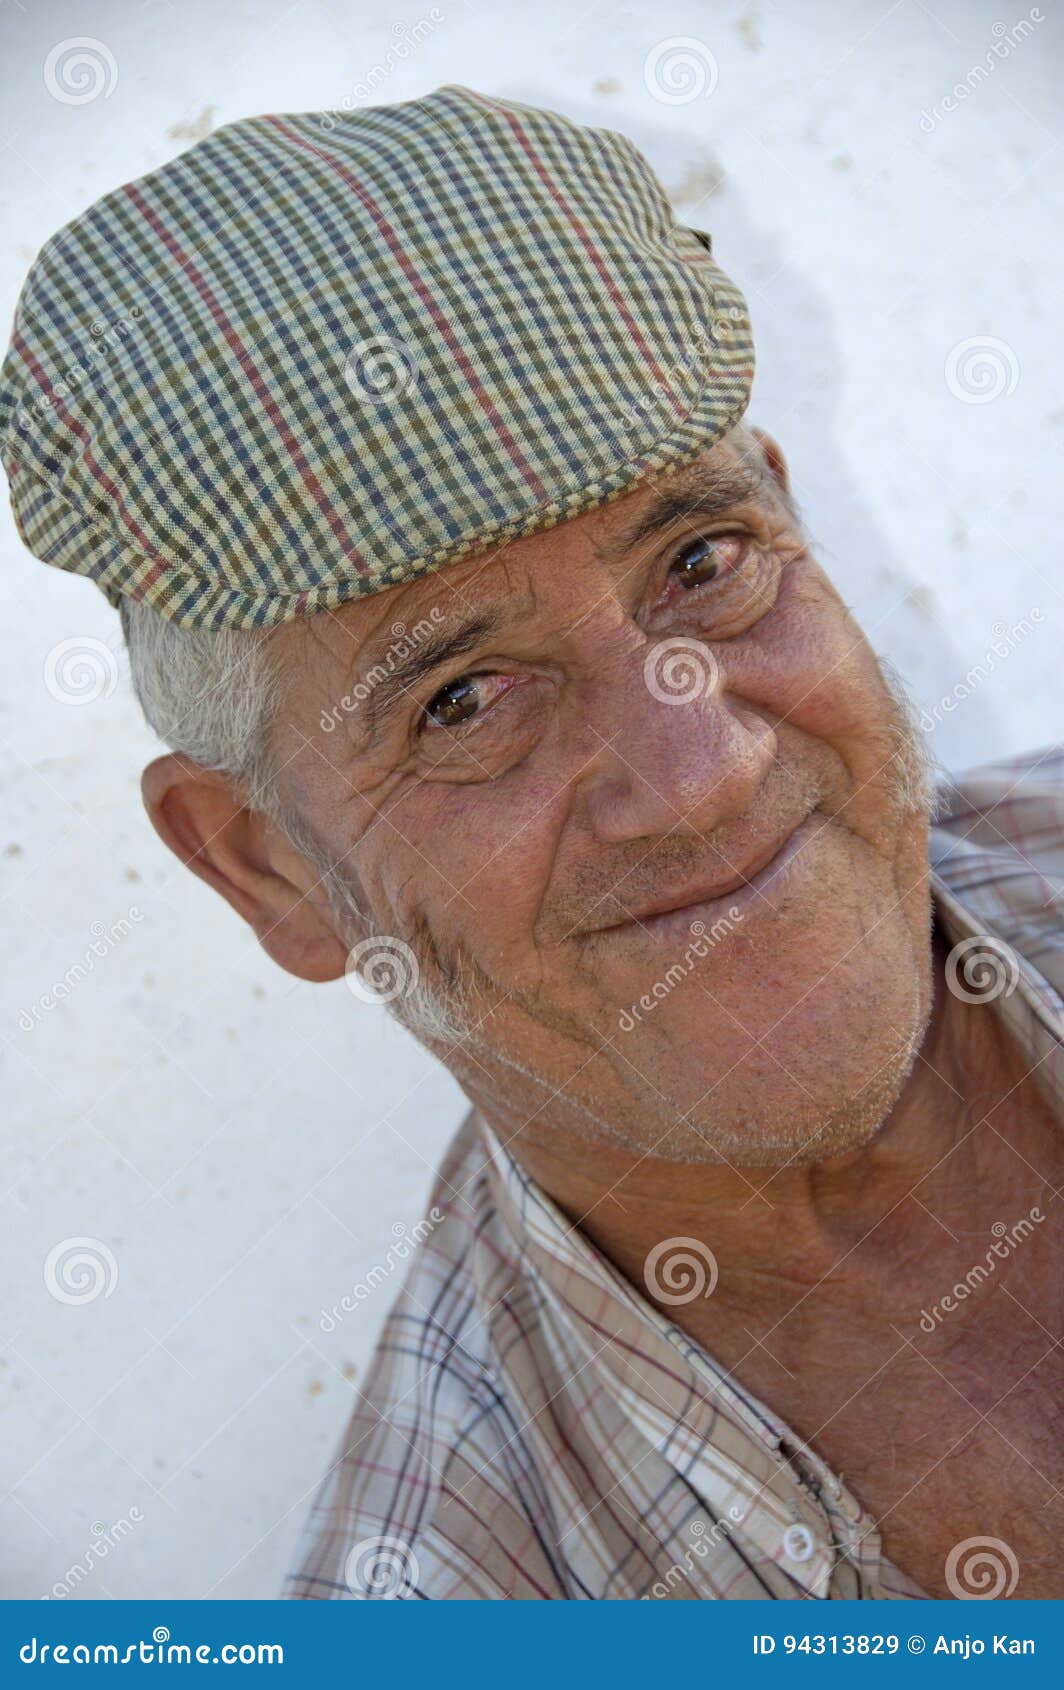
(436, 649)
(708, 492)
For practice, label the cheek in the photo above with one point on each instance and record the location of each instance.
(809, 662)
(474, 863)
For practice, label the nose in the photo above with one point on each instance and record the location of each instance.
(674, 751)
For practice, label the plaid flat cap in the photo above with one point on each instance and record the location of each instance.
(317, 356)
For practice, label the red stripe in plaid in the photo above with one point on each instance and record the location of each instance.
(532, 1428)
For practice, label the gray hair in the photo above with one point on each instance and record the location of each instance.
(210, 693)
(214, 694)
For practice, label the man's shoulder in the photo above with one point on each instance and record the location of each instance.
(997, 861)
(997, 839)
(1014, 803)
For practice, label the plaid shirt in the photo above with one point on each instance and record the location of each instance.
(533, 1427)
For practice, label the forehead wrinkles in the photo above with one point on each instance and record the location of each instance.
(517, 578)
(547, 582)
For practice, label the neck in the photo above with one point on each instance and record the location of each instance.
(777, 1231)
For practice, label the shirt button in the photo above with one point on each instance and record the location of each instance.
(799, 1543)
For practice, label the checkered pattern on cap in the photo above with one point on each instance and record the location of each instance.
(316, 356)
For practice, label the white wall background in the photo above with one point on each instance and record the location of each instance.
(244, 1145)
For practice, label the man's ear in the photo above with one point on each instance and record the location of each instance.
(206, 823)
(774, 458)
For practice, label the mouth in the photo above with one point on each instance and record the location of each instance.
(757, 885)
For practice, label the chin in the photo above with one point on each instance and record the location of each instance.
(788, 1130)
(797, 1051)
(760, 1119)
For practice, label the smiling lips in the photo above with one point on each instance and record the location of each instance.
(745, 885)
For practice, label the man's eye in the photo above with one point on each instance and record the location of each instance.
(455, 703)
(697, 563)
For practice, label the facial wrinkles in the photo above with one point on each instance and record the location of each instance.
(636, 875)
(793, 788)
(459, 987)
(474, 1020)
(410, 887)
(597, 895)
(374, 775)
(670, 861)
(602, 883)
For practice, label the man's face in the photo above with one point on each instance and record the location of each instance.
(636, 793)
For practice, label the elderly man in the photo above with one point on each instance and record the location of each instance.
(498, 674)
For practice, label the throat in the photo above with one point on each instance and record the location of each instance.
(854, 1238)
